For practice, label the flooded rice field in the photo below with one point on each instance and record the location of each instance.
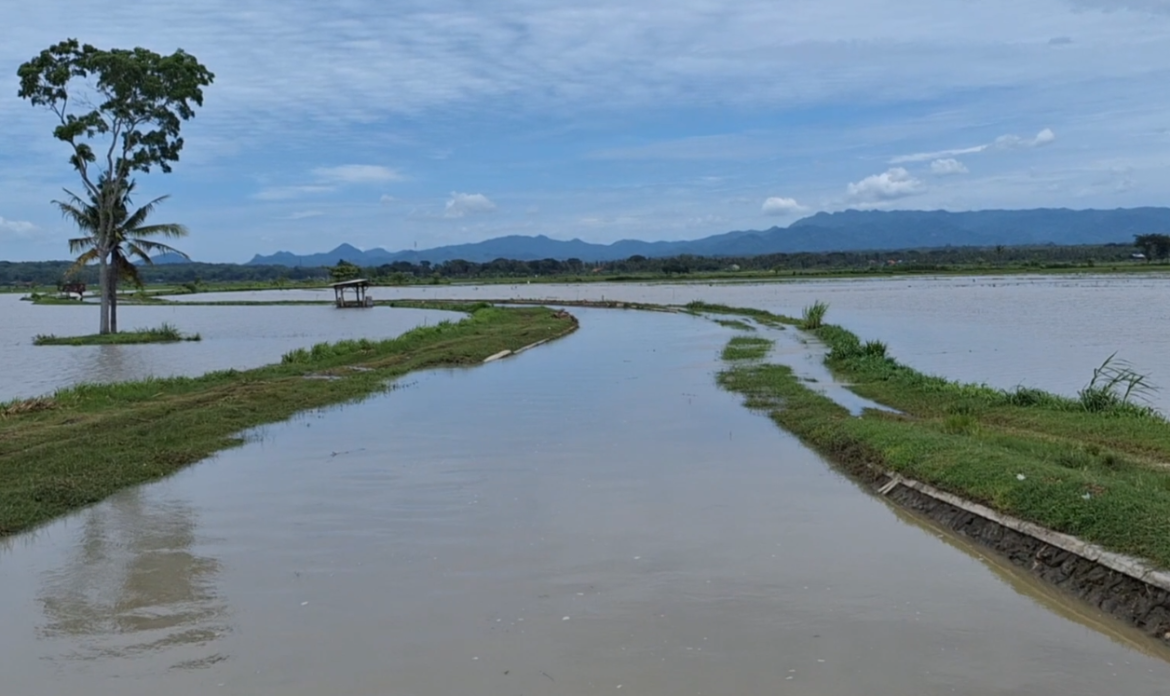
(1040, 331)
(593, 516)
(233, 337)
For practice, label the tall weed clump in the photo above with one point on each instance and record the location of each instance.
(812, 317)
(1117, 388)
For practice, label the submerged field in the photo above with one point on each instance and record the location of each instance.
(1096, 466)
(79, 445)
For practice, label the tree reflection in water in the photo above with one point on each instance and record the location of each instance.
(135, 586)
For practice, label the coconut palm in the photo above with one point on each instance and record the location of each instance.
(127, 239)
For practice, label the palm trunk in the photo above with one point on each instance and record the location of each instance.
(104, 284)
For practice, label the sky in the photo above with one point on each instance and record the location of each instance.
(413, 124)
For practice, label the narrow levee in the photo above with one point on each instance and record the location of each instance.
(592, 514)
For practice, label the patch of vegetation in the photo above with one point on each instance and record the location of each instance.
(813, 316)
(735, 324)
(760, 315)
(1101, 474)
(747, 348)
(164, 333)
(75, 448)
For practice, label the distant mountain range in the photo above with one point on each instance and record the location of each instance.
(850, 230)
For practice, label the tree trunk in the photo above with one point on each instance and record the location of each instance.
(104, 283)
(113, 301)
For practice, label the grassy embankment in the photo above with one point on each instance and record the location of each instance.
(164, 333)
(1096, 466)
(80, 445)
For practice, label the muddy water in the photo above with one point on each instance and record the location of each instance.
(233, 337)
(590, 515)
(1041, 331)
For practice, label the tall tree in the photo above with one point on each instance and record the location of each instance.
(127, 238)
(1154, 246)
(120, 111)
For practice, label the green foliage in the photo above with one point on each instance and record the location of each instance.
(813, 316)
(136, 98)
(1154, 246)
(343, 271)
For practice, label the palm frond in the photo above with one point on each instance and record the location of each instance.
(145, 249)
(169, 229)
(139, 216)
(82, 261)
(80, 244)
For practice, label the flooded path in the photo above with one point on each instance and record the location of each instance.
(594, 516)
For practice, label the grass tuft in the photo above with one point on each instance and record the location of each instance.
(813, 316)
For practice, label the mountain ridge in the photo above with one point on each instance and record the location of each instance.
(848, 230)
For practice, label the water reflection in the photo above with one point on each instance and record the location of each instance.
(133, 584)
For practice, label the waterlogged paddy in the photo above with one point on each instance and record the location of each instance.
(1041, 331)
(233, 337)
(590, 515)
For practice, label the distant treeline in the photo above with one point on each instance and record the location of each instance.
(938, 259)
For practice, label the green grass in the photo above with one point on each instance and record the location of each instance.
(80, 445)
(746, 348)
(1101, 475)
(813, 316)
(164, 333)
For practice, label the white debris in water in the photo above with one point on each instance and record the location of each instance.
(1020, 477)
(820, 660)
(565, 619)
(637, 558)
(475, 658)
(580, 594)
(304, 604)
(789, 677)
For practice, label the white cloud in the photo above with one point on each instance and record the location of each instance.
(17, 228)
(282, 193)
(890, 184)
(386, 199)
(927, 156)
(461, 204)
(777, 205)
(357, 174)
(1003, 142)
(1015, 142)
(303, 214)
(945, 167)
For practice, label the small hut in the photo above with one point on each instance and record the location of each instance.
(341, 293)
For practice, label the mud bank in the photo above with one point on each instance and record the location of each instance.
(1119, 585)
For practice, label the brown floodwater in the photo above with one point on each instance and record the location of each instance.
(593, 516)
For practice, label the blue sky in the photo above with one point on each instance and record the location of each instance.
(401, 123)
